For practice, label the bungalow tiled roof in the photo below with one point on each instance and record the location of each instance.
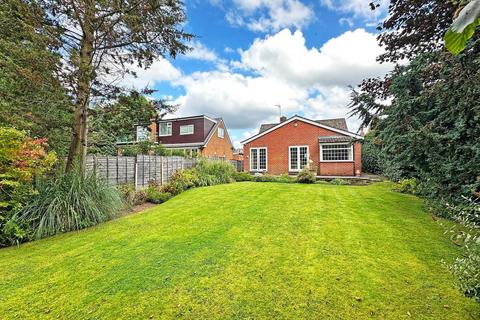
(338, 123)
(333, 139)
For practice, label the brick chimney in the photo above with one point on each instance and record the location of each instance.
(283, 119)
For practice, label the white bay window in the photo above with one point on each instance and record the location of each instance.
(336, 152)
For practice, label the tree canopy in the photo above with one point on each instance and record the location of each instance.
(31, 96)
(102, 40)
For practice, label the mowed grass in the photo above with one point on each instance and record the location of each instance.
(245, 251)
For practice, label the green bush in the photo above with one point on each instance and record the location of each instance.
(306, 176)
(371, 154)
(264, 178)
(242, 176)
(22, 158)
(467, 267)
(131, 196)
(182, 180)
(407, 186)
(339, 181)
(214, 172)
(285, 178)
(70, 201)
(154, 195)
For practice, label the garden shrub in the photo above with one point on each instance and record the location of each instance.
(206, 173)
(306, 176)
(131, 196)
(70, 201)
(214, 172)
(156, 195)
(339, 181)
(182, 180)
(264, 178)
(407, 186)
(242, 176)
(467, 267)
(285, 178)
(22, 159)
(371, 154)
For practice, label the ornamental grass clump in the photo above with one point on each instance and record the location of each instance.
(70, 201)
(214, 172)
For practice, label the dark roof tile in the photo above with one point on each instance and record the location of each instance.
(339, 123)
(332, 139)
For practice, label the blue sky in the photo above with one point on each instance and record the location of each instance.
(250, 55)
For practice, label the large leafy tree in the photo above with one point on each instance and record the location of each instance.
(31, 97)
(430, 130)
(102, 40)
(426, 113)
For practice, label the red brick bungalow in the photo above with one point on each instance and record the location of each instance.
(326, 146)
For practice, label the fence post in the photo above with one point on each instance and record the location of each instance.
(126, 170)
(117, 170)
(108, 174)
(161, 171)
(135, 173)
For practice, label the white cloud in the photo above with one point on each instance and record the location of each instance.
(346, 21)
(201, 52)
(358, 8)
(269, 15)
(341, 61)
(243, 101)
(160, 70)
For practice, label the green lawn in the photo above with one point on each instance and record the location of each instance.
(245, 250)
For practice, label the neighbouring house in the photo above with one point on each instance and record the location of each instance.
(201, 135)
(238, 154)
(326, 146)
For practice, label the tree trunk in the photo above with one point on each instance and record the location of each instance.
(78, 143)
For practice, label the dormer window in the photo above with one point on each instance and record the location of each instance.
(142, 133)
(164, 129)
(221, 132)
(187, 129)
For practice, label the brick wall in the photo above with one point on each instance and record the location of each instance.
(299, 133)
(153, 130)
(219, 147)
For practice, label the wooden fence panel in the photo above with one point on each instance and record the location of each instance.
(140, 170)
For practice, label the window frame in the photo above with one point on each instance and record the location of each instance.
(352, 156)
(168, 124)
(298, 157)
(188, 133)
(258, 159)
(223, 132)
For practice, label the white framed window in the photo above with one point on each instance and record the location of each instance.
(164, 129)
(142, 133)
(298, 157)
(187, 129)
(336, 152)
(220, 132)
(258, 159)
